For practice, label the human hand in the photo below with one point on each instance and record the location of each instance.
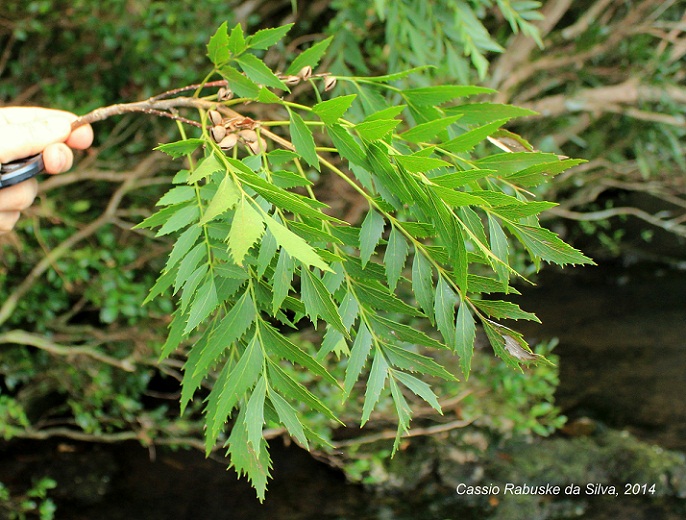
(26, 131)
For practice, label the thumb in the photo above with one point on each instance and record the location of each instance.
(21, 140)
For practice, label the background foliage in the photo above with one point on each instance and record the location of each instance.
(74, 276)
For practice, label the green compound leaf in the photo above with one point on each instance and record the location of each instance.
(465, 335)
(218, 46)
(258, 72)
(395, 257)
(310, 57)
(375, 384)
(370, 235)
(331, 110)
(265, 38)
(295, 245)
(303, 139)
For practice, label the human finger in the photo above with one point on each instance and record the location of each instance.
(57, 158)
(25, 139)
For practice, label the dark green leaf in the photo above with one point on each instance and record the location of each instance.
(395, 257)
(428, 131)
(318, 301)
(415, 164)
(504, 310)
(414, 362)
(419, 388)
(182, 218)
(289, 418)
(295, 245)
(238, 83)
(358, 357)
(422, 283)
(376, 129)
(437, 95)
(465, 335)
(370, 234)
(205, 302)
(468, 140)
(444, 309)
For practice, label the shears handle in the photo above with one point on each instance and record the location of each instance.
(14, 172)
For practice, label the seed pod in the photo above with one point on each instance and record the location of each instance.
(224, 94)
(259, 146)
(305, 72)
(228, 142)
(215, 118)
(329, 83)
(248, 136)
(291, 80)
(218, 132)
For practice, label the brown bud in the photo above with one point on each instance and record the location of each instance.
(218, 132)
(305, 72)
(329, 83)
(224, 94)
(228, 142)
(215, 117)
(258, 146)
(248, 136)
(291, 80)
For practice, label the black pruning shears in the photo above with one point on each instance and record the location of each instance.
(14, 172)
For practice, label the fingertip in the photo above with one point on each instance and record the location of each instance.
(58, 158)
(81, 138)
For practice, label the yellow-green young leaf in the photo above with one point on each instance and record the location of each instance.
(375, 384)
(205, 168)
(230, 329)
(358, 357)
(331, 110)
(295, 245)
(289, 418)
(257, 71)
(205, 302)
(309, 57)
(370, 234)
(428, 131)
(420, 388)
(415, 164)
(468, 140)
(218, 46)
(431, 96)
(376, 129)
(254, 414)
(239, 84)
(465, 334)
(265, 38)
(227, 197)
(319, 302)
(302, 139)
(423, 284)
(395, 257)
(246, 228)
(404, 413)
(180, 148)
